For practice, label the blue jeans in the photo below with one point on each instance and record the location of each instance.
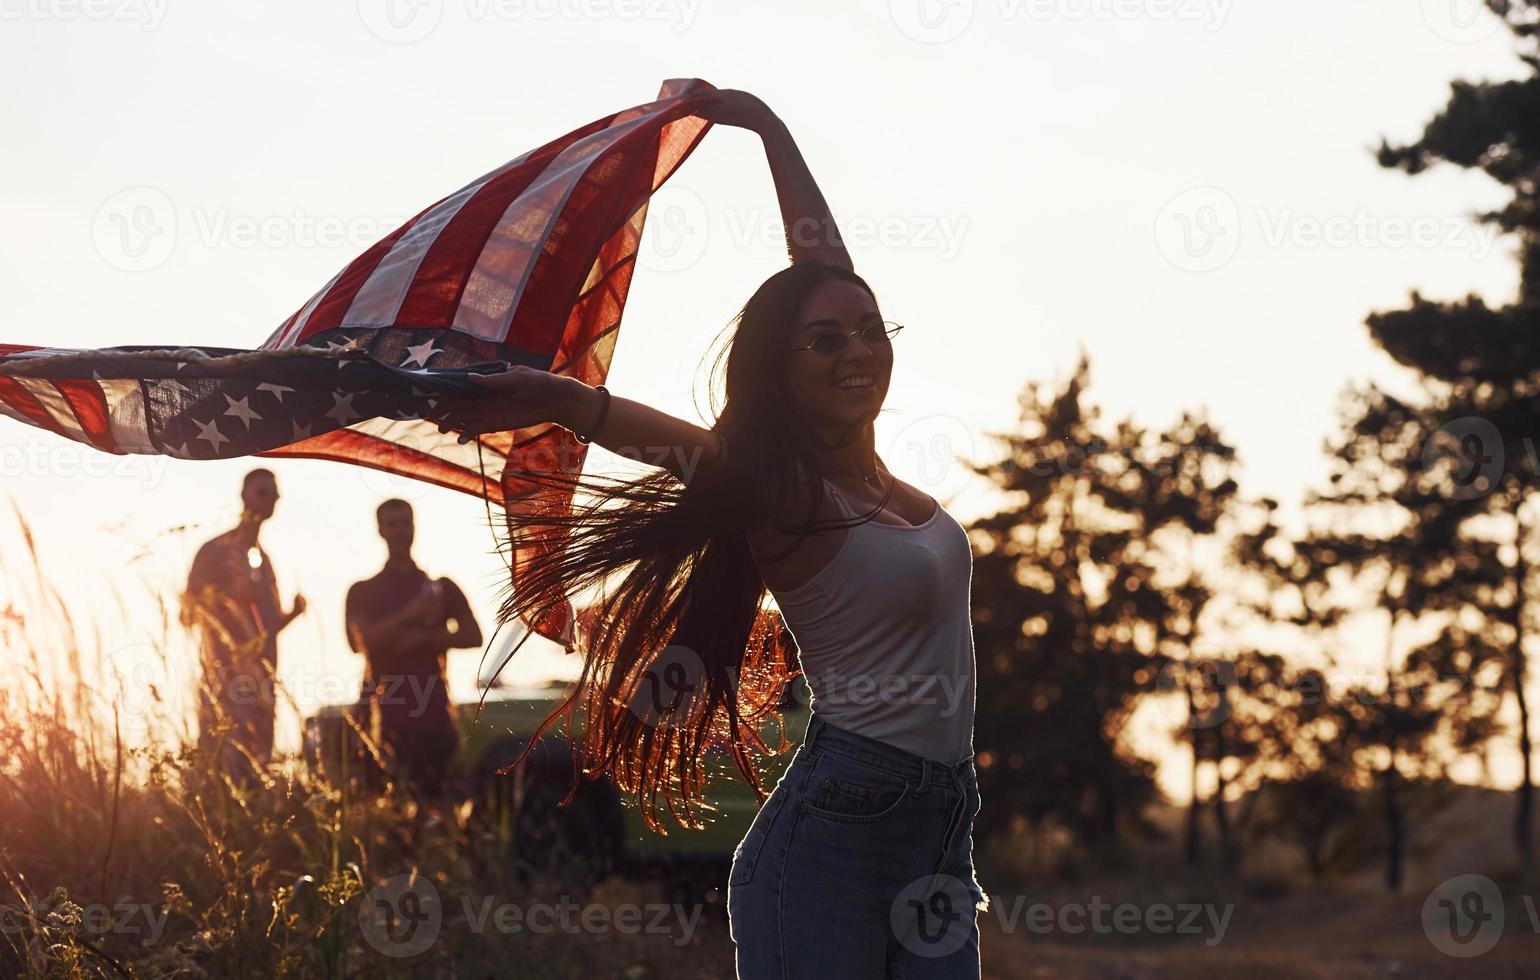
(859, 866)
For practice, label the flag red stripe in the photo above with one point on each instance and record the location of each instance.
(277, 335)
(446, 268)
(362, 449)
(330, 311)
(89, 403)
(557, 280)
(594, 316)
(667, 153)
(27, 404)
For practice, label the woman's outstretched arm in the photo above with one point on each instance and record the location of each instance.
(524, 396)
(637, 431)
(811, 232)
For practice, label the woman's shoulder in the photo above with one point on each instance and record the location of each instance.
(771, 536)
(807, 487)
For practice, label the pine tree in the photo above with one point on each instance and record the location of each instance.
(1077, 606)
(1490, 357)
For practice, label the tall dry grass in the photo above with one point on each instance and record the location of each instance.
(140, 858)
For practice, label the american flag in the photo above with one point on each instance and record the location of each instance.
(529, 264)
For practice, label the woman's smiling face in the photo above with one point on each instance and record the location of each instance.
(839, 391)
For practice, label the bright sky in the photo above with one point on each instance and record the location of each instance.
(1183, 188)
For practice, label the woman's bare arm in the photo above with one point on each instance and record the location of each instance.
(523, 396)
(638, 431)
(811, 232)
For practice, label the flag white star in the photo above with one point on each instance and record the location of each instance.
(301, 432)
(350, 344)
(180, 450)
(242, 411)
(420, 353)
(211, 433)
(277, 390)
(342, 408)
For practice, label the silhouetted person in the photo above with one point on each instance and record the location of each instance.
(232, 595)
(404, 623)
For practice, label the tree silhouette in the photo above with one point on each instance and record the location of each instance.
(1387, 535)
(1490, 358)
(1188, 493)
(1084, 590)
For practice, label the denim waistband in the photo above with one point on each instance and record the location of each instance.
(823, 736)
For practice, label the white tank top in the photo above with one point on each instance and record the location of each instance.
(885, 635)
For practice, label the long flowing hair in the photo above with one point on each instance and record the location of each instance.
(682, 658)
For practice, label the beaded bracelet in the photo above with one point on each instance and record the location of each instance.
(604, 411)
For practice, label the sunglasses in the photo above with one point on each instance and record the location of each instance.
(873, 334)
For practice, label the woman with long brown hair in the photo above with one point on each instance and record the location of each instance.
(859, 863)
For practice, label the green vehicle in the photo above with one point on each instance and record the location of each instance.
(600, 830)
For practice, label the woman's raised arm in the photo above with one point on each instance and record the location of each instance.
(811, 232)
